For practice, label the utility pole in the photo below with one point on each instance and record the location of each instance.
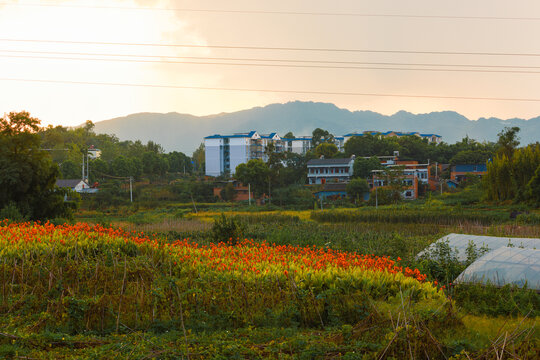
(376, 199)
(82, 168)
(249, 194)
(269, 201)
(87, 169)
(131, 188)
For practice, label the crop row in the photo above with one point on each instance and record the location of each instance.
(78, 277)
(411, 216)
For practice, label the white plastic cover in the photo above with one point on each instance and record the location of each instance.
(460, 242)
(506, 265)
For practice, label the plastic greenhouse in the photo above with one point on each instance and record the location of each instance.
(460, 242)
(506, 265)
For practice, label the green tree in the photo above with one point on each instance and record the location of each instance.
(199, 159)
(27, 174)
(327, 150)
(471, 157)
(179, 162)
(70, 170)
(320, 136)
(369, 145)
(356, 189)
(100, 170)
(288, 135)
(228, 193)
(508, 141)
(533, 187)
(362, 167)
(254, 172)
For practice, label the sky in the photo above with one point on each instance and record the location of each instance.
(65, 74)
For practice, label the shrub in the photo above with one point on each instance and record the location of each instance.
(227, 228)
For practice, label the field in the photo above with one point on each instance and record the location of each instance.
(336, 284)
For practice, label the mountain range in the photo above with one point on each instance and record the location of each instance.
(184, 132)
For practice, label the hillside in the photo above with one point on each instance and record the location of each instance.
(184, 132)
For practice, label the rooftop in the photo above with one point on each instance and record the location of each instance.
(345, 161)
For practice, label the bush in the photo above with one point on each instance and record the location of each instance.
(227, 229)
(11, 212)
(528, 219)
(490, 300)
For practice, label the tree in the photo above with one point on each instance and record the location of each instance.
(198, 158)
(369, 145)
(533, 187)
(228, 193)
(508, 141)
(254, 172)
(288, 135)
(320, 136)
(179, 162)
(327, 150)
(471, 157)
(356, 189)
(70, 170)
(362, 167)
(27, 173)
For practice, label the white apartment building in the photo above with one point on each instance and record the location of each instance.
(225, 152)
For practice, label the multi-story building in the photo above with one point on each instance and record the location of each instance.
(409, 173)
(322, 171)
(225, 152)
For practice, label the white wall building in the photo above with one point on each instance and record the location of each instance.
(225, 152)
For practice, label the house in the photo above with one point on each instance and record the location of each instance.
(332, 191)
(411, 173)
(409, 182)
(241, 191)
(77, 185)
(322, 171)
(460, 172)
(93, 153)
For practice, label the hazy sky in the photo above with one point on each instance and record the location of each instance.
(88, 21)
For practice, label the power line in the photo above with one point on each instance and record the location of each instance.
(266, 60)
(269, 12)
(276, 65)
(271, 90)
(273, 48)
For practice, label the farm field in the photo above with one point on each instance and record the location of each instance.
(310, 285)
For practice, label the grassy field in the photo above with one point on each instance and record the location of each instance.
(336, 284)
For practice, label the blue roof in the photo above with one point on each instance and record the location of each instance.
(430, 135)
(339, 137)
(269, 136)
(470, 168)
(353, 134)
(218, 136)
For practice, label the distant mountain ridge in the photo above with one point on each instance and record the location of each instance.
(184, 132)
